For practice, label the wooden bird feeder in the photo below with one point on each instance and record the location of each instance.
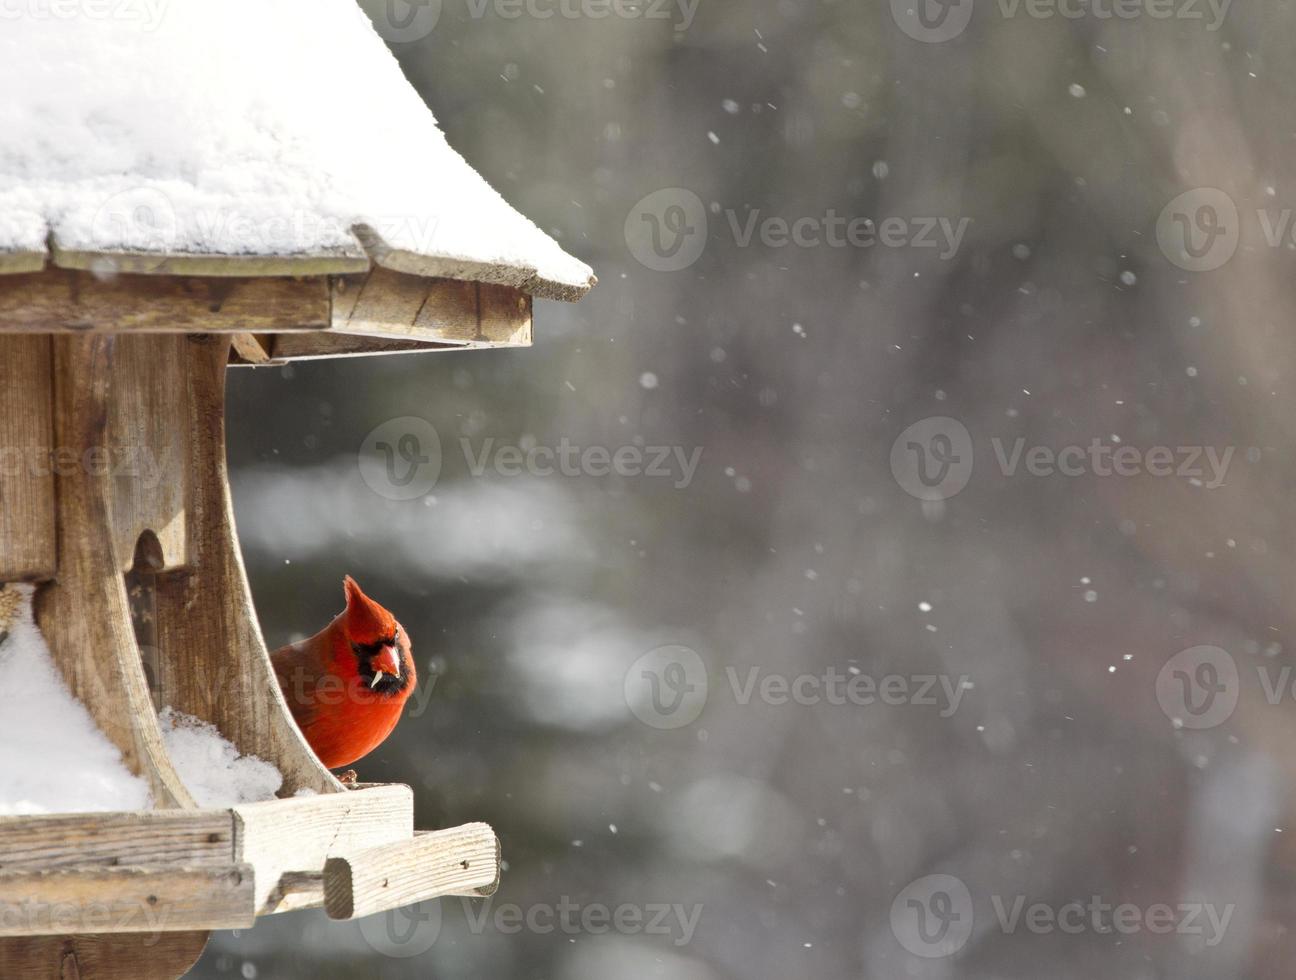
(122, 302)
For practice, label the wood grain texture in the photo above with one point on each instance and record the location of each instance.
(216, 666)
(128, 956)
(27, 545)
(290, 837)
(459, 861)
(394, 305)
(68, 901)
(62, 301)
(148, 446)
(12, 262)
(285, 347)
(322, 263)
(250, 348)
(392, 313)
(85, 614)
(193, 838)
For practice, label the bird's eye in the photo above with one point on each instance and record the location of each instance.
(371, 649)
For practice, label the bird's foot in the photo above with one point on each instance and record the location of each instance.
(349, 778)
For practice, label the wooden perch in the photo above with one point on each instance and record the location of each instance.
(354, 852)
(461, 861)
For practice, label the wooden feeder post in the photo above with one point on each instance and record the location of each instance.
(113, 354)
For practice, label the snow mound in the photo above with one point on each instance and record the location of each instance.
(211, 767)
(53, 758)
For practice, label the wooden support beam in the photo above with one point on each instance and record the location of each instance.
(62, 301)
(68, 901)
(192, 838)
(26, 443)
(460, 861)
(85, 614)
(304, 347)
(269, 319)
(149, 449)
(128, 956)
(215, 663)
(250, 348)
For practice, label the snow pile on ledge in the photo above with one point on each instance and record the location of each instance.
(53, 758)
(244, 128)
(211, 767)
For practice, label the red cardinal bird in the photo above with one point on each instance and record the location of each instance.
(348, 684)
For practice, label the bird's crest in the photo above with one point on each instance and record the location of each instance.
(366, 621)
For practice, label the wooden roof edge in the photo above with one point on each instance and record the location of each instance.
(368, 249)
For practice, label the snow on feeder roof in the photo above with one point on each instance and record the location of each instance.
(249, 140)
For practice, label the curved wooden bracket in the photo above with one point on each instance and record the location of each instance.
(139, 454)
(217, 665)
(84, 613)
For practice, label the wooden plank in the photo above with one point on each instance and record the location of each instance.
(148, 445)
(284, 839)
(460, 861)
(60, 301)
(309, 346)
(137, 899)
(446, 267)
(85, 614)
(127, 956)
(215, 663)
(394, 305)
(505, 318)
(250, 348)
(27, 546)
(12, 262)
(194, 838)
(324, 263)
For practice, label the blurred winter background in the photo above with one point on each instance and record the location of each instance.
(1058, 319)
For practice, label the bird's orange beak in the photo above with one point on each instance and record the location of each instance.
(387, 661)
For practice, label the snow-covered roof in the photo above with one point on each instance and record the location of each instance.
(239, 137)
